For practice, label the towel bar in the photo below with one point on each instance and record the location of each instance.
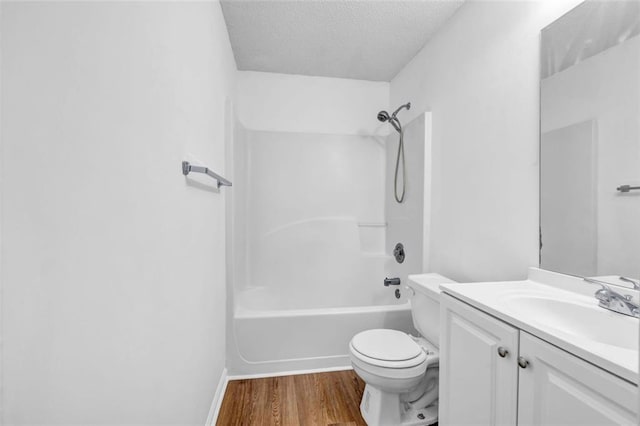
(187, 168)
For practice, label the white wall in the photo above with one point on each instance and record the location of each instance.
(480, 78)
(113, 263)
(295, 103)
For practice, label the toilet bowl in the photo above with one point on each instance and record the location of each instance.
(400, 370)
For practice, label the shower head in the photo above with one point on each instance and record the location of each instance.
(383, 116)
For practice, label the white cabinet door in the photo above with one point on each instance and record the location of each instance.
(557, 388)
(477, 385)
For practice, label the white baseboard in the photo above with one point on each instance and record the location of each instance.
(287, 373)
(217, 399)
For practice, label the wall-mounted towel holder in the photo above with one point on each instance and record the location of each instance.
(627, 188)
(187, 168)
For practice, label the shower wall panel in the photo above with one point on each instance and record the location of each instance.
(408, 222)
(314, 212)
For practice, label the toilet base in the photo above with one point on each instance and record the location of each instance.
(380, 408)
(420, 417)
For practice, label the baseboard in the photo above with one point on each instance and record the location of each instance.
(287, 373)
(217, 399)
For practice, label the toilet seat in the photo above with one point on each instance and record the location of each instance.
(387, 349)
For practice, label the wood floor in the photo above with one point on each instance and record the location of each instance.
(320, 399)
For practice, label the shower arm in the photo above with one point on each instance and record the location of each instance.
(407, 106)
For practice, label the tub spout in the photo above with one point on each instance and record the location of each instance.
(391, 281)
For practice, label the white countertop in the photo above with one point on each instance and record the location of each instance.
(496, 299)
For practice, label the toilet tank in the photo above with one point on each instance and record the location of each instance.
(425, 304)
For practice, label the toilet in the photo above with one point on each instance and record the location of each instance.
(401, 370)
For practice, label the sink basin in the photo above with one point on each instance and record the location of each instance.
(581, 318)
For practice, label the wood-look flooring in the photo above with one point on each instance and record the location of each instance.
(320, 399)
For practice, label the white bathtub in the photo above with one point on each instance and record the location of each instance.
(269, 338)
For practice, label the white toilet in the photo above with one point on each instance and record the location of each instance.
(400, 370)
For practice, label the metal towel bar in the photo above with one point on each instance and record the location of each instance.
(187, 168)
(627, 188)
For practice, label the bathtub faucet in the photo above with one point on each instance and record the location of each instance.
(391, 281)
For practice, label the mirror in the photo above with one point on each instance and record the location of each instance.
(590, 141)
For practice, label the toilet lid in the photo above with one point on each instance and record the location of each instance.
(386, 345)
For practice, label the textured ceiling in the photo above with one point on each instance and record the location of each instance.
(361, 39)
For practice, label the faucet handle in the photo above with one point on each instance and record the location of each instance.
(603, 295)
(604, 285)
(636, 284)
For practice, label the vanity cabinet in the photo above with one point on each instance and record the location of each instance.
(478, 386)
(492, 373)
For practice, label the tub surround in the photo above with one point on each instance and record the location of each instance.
(311, 249)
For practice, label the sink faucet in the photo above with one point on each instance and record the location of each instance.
(614, 301)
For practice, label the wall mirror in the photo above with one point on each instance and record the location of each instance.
(590, 142)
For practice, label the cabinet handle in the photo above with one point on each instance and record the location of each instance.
(502, 352)
(522, 362)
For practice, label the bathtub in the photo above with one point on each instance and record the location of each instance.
(269, 337)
